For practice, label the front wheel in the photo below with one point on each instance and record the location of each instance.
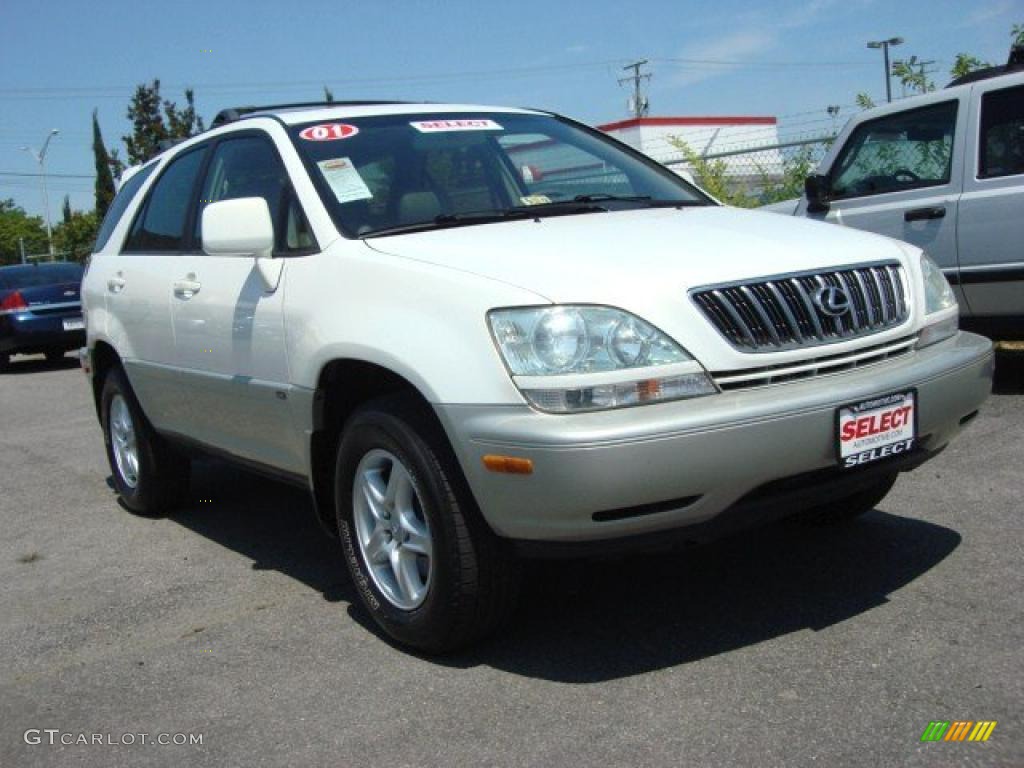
(150, 477)
(428, 569)
(852, 506)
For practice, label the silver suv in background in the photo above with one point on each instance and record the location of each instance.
(945, 172)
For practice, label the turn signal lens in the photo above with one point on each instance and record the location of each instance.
(510, 465)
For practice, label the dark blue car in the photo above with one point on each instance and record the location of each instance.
(40, 310)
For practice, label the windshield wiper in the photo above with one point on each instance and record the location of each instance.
(651, 202)
(446, 220)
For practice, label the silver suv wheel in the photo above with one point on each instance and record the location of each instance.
(392, 531)
(122, 438)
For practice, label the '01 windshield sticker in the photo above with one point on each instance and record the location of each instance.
(442, 126)
(328, 132)
(344, 180)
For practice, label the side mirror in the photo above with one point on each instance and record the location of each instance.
(243, 227)
(817, 191)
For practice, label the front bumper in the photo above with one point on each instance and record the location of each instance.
(622, 473)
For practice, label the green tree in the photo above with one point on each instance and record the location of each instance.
(712, 176)
(790, 183)
(328, 95)
(864, 101)
(105, 168)
(965, 63)
(16, 224)
(75, 235)
(155, 120)
(1017, 34)
(911, 74)
(66, 209)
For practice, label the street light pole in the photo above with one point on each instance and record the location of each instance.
(40, 157)
(884, 45)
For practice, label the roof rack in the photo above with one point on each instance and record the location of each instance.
(236, 113)
(1014, 63)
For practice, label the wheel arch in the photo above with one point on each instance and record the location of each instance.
(104, 358)
(343, 385)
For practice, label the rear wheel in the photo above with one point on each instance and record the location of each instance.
(151, 478)
(851, 506)
(428, 569)
(5, 361)
(54, 355)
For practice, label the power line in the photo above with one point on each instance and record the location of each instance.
(49, 175)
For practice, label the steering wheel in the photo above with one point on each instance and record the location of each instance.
(905, 176)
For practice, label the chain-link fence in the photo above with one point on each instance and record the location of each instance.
(749, 176)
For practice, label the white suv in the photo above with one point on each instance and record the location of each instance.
(475, 333)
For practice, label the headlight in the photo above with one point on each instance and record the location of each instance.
(938, 298)
(575, 358)
(937, 293)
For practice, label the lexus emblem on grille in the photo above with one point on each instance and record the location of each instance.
(832, 301)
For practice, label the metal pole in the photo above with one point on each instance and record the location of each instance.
(888, 82)
(46, 207)
(40, 157)
(21, 243)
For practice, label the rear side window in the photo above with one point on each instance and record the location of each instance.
(161, 224)
(1001, 152)
(906, 150)
(120, 203)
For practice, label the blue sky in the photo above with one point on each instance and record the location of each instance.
(789, 59)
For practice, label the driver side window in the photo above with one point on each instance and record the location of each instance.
(907, 150)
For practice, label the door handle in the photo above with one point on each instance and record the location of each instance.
(115, 284)
(921, 214)
(186, 289)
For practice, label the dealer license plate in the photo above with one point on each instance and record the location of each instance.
(74, 324)
(877, 429)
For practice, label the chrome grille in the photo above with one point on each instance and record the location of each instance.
(783, 312)
(814, 367)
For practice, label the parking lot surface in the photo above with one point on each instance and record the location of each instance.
(235, 620)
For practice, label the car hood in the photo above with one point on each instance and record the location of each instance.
(621, 258)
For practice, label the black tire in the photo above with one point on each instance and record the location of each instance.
(849, 507)
(474, 578)
(162, 476)
(54, 355)
(5, 362)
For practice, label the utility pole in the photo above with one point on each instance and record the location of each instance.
(884, 45)
(21, 244)
(638, 102)
(40, 157)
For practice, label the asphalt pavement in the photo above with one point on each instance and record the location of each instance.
(235, 621)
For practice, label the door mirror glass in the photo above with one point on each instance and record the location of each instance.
(239, 227)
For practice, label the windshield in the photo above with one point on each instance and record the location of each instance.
(34, 275)
(394, 173)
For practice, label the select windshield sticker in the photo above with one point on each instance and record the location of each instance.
(344, 180)
(328, 132)
(442, 126)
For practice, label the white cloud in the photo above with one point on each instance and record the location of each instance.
(981, 15)
(759, 32)
(735, 46)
